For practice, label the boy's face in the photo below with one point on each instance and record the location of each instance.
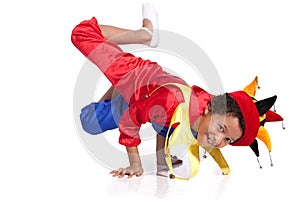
(217, 130)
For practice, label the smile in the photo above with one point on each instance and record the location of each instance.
(209, 140)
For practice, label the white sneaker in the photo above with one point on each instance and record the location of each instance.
(150, 14)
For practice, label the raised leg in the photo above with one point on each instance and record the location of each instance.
(126, 36)
(147, 35)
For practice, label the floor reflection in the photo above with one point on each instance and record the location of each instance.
(149, 184)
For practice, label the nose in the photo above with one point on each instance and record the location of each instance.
(219, 140)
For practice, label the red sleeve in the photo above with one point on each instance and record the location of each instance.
(129, 127)
(158, 108)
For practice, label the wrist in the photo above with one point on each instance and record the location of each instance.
(133, 155)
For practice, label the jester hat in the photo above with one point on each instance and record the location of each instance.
(255, 114)
(251, 112)
(268, 116)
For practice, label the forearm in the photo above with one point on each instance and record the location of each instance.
(133, 155)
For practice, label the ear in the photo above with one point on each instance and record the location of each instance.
(207, 110)
(264, 105)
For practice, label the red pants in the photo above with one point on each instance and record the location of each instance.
(122, 69)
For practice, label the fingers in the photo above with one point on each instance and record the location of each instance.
(138, 174)
(124, 171)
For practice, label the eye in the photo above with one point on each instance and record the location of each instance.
(221, 128)
(228, 140)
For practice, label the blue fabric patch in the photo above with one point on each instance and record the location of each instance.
(99, 117)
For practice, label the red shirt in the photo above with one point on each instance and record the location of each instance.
(157, 107)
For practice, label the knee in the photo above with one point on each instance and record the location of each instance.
(97, 117)
(90, 126)
(89, 121)
(86, 36)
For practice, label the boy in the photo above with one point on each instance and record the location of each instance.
(146, 93)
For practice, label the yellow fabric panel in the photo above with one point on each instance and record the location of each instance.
(219, 158)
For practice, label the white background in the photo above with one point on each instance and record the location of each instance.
(42, 158)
